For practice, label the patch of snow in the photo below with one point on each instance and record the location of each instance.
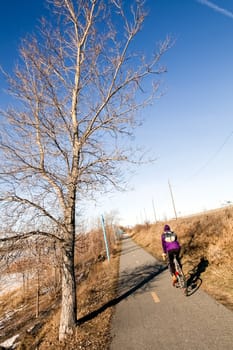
(9, 342)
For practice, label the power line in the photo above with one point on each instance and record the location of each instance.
(213, 156)
(173, 202)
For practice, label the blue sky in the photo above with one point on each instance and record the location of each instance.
(189, 129)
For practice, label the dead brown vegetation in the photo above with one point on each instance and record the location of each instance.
(96, 284)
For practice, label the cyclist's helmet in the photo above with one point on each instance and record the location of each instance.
(166, 228)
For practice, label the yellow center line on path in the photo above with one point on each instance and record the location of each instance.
(155, 297)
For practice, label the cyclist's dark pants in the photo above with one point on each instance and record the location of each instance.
(170, 254)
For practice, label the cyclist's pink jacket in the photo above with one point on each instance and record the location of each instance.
(169, 245)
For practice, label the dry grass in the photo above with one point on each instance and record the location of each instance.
(94, 294)
(96, 289)
(207, 249)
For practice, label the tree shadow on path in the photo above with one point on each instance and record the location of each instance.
(129, 282)
(194, 280)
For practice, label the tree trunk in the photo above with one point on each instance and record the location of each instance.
(38, 294)
(68, 304)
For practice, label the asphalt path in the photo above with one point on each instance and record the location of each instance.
(151, 314)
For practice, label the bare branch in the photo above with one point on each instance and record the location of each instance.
(30, 235)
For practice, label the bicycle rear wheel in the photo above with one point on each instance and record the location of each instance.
(180, 276)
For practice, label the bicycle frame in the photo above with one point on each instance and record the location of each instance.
(181, 281)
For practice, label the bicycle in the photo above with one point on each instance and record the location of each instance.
(181, 280)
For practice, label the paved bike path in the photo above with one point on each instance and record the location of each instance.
(154, 315)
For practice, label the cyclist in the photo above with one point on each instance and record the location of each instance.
(170, 247)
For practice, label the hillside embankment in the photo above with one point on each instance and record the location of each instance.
(207, 249)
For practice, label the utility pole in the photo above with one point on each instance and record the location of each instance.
(173, 203)
(105, 237)
(154, 209)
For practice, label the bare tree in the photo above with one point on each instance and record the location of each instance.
(78, 87)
